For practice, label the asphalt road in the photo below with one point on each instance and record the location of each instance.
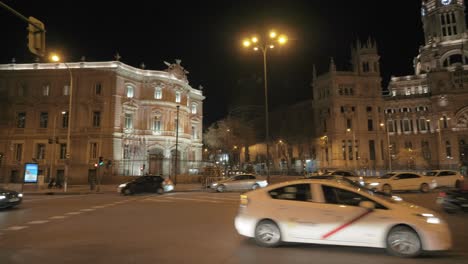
(189, 227)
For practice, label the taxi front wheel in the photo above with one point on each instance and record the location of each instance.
(403, 241)
(267, 234)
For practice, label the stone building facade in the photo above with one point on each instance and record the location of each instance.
(126, 115)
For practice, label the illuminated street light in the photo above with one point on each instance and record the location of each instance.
(56, 58)
(264, 45)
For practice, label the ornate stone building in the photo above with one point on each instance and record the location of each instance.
(421, 123)
(127, 116)
(427, 113)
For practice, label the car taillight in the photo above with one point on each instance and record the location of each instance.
(442, 194)
(244, 200)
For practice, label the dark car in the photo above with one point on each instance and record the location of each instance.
(9, 198)
(146, 184)
(348, 181)
(453, 201)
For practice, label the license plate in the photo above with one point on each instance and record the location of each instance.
(14, 199)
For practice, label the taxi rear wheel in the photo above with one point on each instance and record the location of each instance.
(403, 241)
(267, 234)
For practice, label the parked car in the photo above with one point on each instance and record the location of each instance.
(9, 198)
(334, 213)
(401, 181)
(446, 178)
(240, 182)
(147, 183)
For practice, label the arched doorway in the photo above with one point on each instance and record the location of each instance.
(156, 161)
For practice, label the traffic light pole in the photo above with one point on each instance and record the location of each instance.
(36, 31)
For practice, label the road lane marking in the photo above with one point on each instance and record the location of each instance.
(219, 198)
(191, 199)
(38, 222)
(74, 213)
(87, 210)
(16, 228)
(58, 217)
(98, 206)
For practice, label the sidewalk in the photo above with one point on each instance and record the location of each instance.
(85, 189)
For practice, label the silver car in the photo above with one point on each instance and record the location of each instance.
(240, 182)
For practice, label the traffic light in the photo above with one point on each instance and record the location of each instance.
(36, 37)
(101, 161)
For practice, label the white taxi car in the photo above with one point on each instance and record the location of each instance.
(401, 181)
(330, 212)
(446, 178)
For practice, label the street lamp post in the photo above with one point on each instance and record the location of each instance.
(176, 144)
(264, 46)
(54, 142)
(56, 58)
(388, 146)
(353, 148)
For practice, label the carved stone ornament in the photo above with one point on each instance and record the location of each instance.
(177, 70)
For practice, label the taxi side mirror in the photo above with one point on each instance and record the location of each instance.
(367, 204)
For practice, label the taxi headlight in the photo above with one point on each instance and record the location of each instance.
(214, 184)
(20, 195)
(122, 185)
(374, 183)
(2, 197)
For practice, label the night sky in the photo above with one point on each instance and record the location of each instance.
(207, 38)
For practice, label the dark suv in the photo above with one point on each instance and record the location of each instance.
(145, 184)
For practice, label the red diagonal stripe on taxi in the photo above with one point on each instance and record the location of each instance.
(343, 226)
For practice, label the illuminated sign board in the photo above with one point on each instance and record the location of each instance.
(30, 172)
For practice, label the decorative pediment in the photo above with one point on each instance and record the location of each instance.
(177, 70)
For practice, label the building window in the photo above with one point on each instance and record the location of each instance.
(98, 89)
(406, 125)
(21, 120)
(445, 121)
(126, 151)
(194, 132)
(40, 151)
(365, 67)
(43, 119)
(371, 149)
(349, 123)
(391, 126)
(426, 151)
(350, 149)
(66, 90)
(45, 89)
(63, 151)
(130, 91)
(157, 93)
(65, 117)
(448, 149)
(157, 125)
(177, 97)
(408, 145)
(22, 89)
(369, 109)
(194, 108)
(128, 121)
(423, 124)
(96, 119)
(370, 125)
(18, 152)
(93, 150)
(343, 149)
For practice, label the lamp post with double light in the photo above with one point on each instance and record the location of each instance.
(56, 58)
(263, 45)
(388, 146)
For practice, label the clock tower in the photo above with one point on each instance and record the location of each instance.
(443, 19)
